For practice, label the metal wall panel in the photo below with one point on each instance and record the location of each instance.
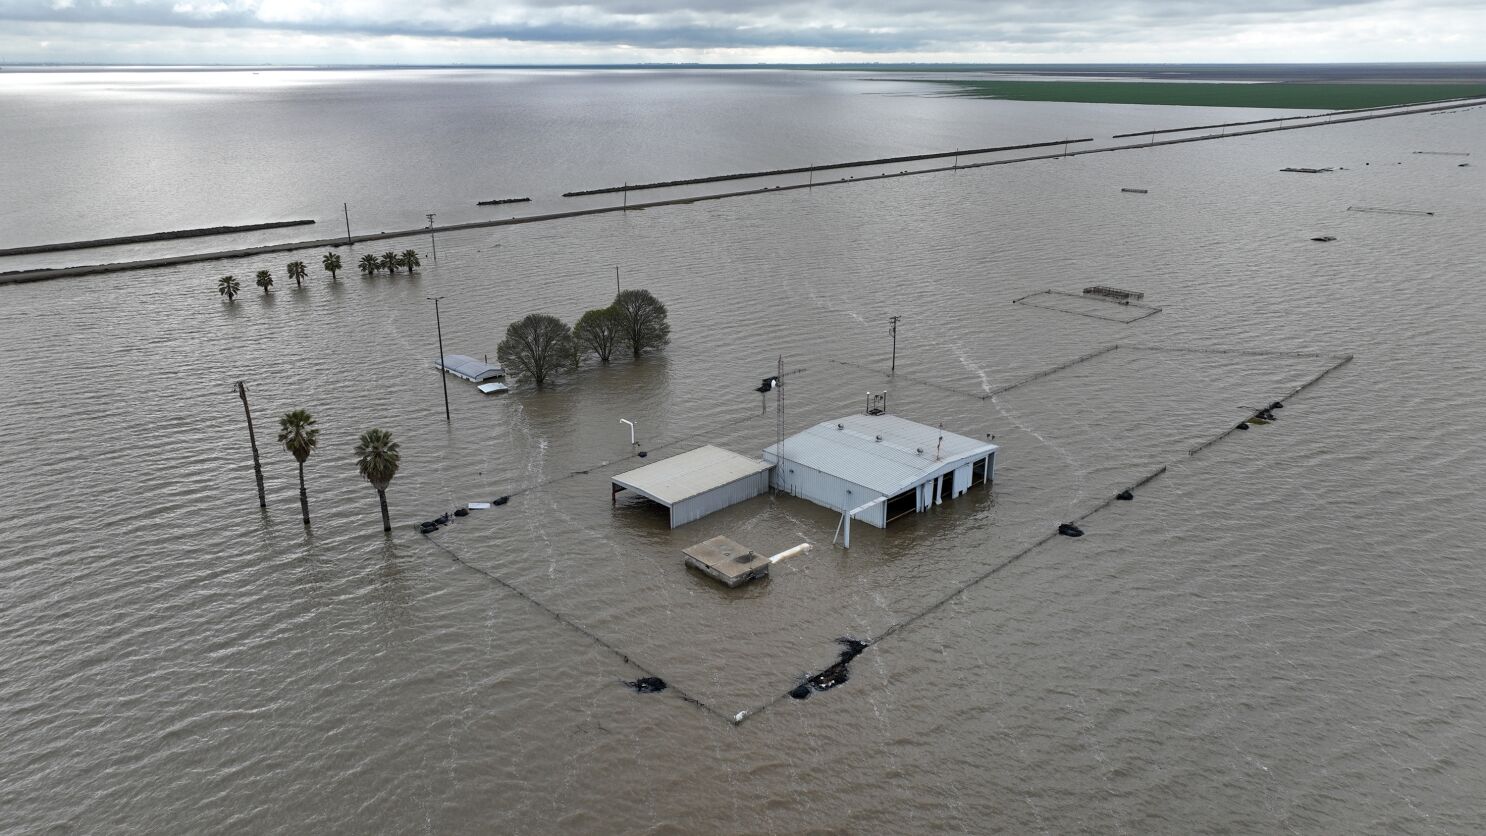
(690, 510)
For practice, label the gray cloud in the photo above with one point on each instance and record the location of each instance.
(863, 27)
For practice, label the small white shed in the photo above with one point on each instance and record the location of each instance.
(881, 466)
(696, 483)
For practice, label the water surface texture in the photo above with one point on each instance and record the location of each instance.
(105, 154)
(1282, 632)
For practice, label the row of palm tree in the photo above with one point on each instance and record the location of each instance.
(370, 265)
(389, 261)
(377, 456)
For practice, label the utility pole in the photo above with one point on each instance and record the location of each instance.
(242, 392)
(443, 372)
(345, 207)
(779, 426)
(432, 240)
(893, 329)
(616, 281)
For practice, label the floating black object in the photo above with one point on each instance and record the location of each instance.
(1070, 530)
(427, 528)
(1276, 405)
(500, 500)
(768, 384)
(1125, 495)
(1325, 238)
(836, 674)
(829, 678)
(648, 685)
(1242, 427)
(1266, 415)
(642, 454)
(461, 512)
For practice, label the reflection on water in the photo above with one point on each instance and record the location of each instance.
(1277, 632)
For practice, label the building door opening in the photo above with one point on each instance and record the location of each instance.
(902, 504)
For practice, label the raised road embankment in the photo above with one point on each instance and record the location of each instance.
(201, 232)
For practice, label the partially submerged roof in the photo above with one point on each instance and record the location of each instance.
(689, 474)
(884, 453)
(469, 368)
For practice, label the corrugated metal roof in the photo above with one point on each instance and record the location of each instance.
(469, 368)
(686, 475)
(849, 448)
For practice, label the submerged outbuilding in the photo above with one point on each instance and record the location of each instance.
(696, 483)
(468, 368)
(879, 468)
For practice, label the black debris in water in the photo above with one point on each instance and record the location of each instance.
(461, 512)
(829, 678)
(428, 528)
(444, 520)
(836, 674)
(1070, 530)
(1276, 405)
(648, 685)
(1242, 427)
(643, 454)
(500, 500)
(1125, 495)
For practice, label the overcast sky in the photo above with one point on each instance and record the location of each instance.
(737, 31)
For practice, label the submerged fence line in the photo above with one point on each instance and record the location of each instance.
(625, 657)
(1151, 310)
(1341, 360)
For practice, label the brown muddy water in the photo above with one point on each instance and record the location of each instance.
(1282, 632)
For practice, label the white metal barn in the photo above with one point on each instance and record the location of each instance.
(694, 484)
(877, 468)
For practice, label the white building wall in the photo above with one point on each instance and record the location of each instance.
(720, 497)
(962, 478)
(840, 495)
(824, 489)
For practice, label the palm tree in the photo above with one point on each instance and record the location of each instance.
(298, 434)
(389, 260)
(228, 286)
(368, 264)
(296, 272)
(377, 459)
(332, 263)
(409, 259)
(264, 280)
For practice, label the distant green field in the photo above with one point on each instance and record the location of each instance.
(1283, 95)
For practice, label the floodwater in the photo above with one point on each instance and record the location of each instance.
(1282, 631)
(106, 154)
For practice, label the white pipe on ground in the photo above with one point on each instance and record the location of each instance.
(787, 553)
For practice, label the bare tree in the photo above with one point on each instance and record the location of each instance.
(642, 320)
(598, 332)
(537, 346)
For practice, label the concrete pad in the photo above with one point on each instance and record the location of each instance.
(726, 561)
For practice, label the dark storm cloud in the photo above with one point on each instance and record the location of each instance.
(863, 26)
